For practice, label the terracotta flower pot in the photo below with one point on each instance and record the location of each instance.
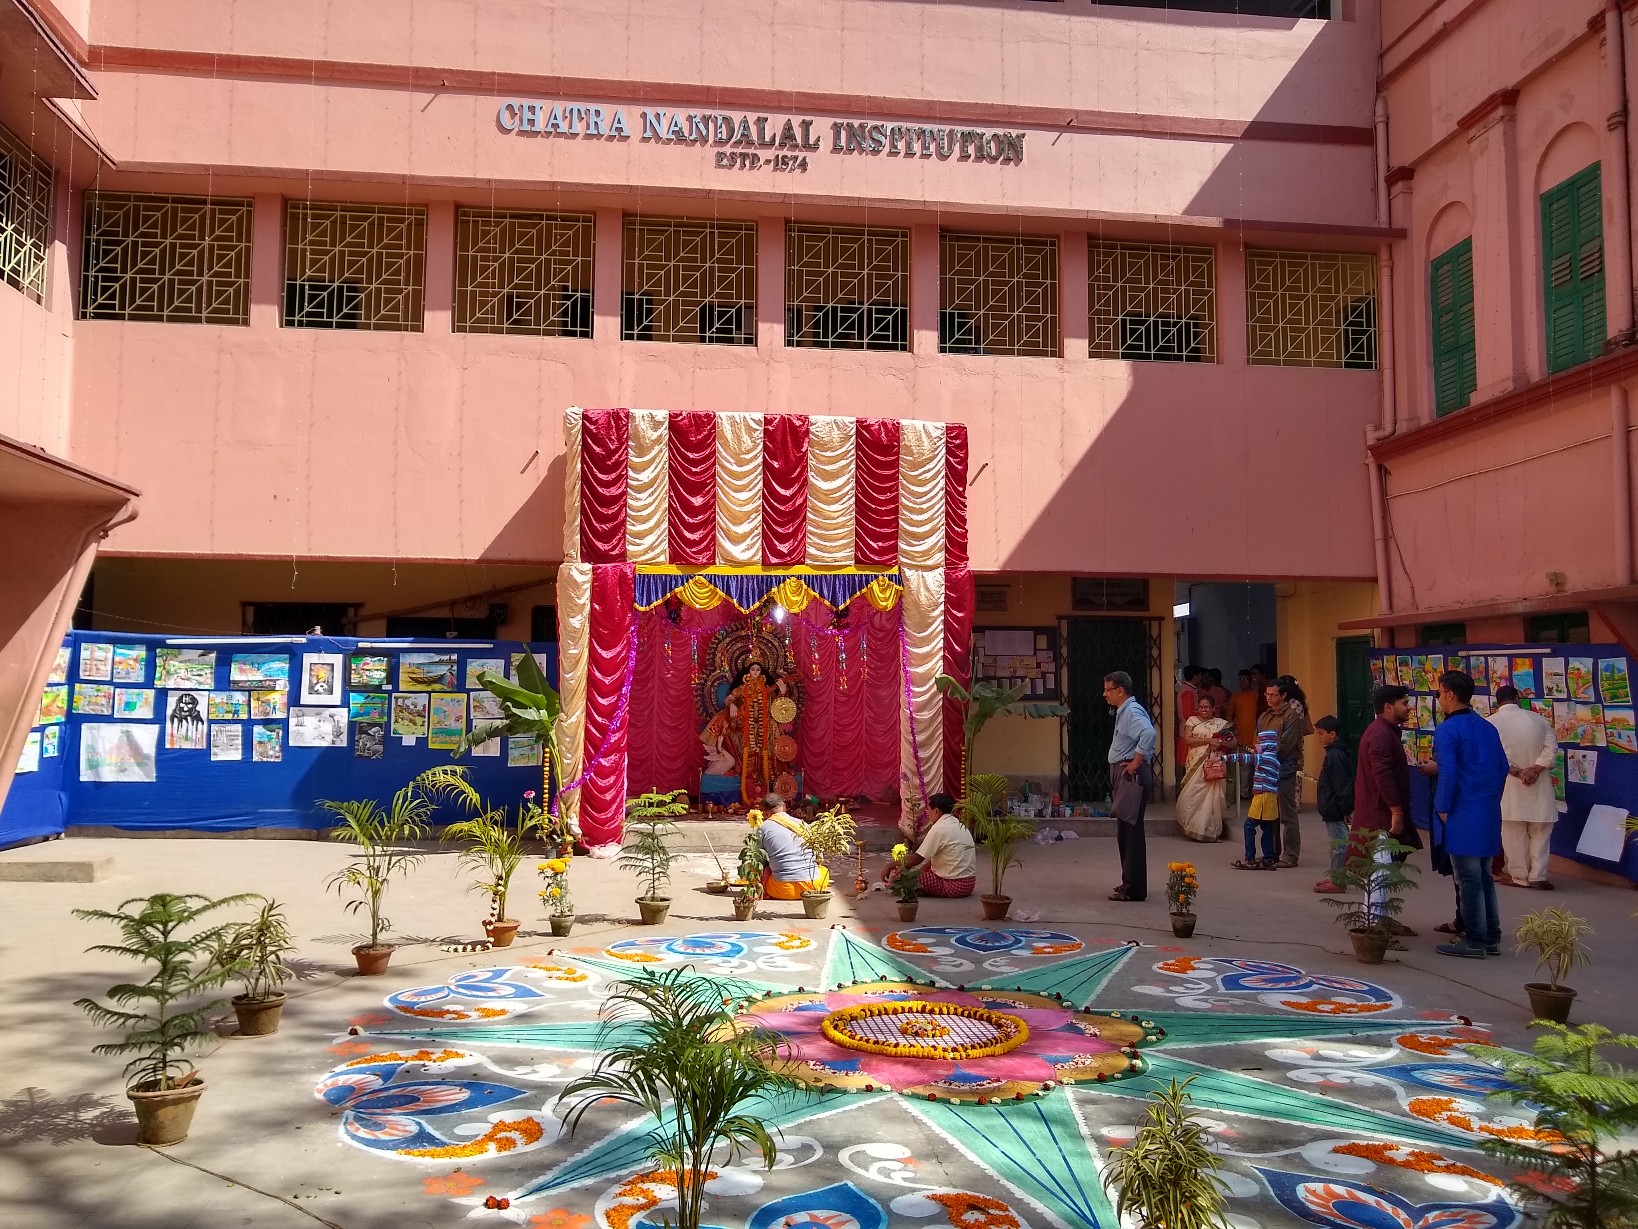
(717, 887)
(562, 924)
(1183, 925)
(907, 910)
(1549, 1002)
(164, 1115)
(743, 909)
(258, 1017)
(502, 933)
(995, 908)
(815, 904)
(654, 911)
(372, 961)
(1369, 948)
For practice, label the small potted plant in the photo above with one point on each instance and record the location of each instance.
(382, 836)
(753, 860)
(1166, 1178)
(646, 854)
(559, 905)
(1556, 936)
(1181, 889)
(492, 844)
(163, 1018)
(1381, 875)
(256, 951)
(830, 834)
(984, 811)
(906, 885)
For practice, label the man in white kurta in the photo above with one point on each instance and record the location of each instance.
(1529, 809)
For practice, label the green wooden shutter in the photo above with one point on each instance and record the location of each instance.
(1572, 244)
(1450, 290)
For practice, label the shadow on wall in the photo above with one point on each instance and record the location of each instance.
(534, 533)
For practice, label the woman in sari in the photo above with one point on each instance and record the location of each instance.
(1199, 799)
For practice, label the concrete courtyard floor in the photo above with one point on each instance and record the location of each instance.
(265, 1152)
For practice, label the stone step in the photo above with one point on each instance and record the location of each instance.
(51, 862)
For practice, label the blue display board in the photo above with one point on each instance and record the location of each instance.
(1583, 690)
(157, 732)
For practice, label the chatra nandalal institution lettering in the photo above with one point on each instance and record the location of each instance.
(776, 133)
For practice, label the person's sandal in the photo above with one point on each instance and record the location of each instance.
(1241, 864)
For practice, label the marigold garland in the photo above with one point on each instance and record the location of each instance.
(1014, 1032)
(1418, 1159)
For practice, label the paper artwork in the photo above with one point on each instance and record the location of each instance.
(409, 716)
(367, 706)
(229, 706)
(116, 751)
(486, 706)
(320, 681)
(97, 661)
(1555, 684)
(1481, 705)
(318, 727)
(523, 752)
(53, 704)
(267, 705)
(1424, 748)
(1524, 675)
(51, 740)
(1563, 721)
(268, 745)
(491, 747)
(495, 665)
(540, 660)
(447, 721)
(1478, 669)
(1424, 712)
(1501, 673)
(59, 668)
(1390, 669)
(1613, 684)
(1583, 767)
(259, 672)
(1581, 678)
(1558, 775)
(1379, 672)
(427, 672)
(1605, 833)
(185, 723)
(94, 699)
(369, 740)
(227, 742)
(29, 759)
(134, 702)
(367, 670)
(1620, 729)
(130, 663)
(1589, 725)
(187, 669)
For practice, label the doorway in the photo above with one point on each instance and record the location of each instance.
(1354, 711)
(1092, 648)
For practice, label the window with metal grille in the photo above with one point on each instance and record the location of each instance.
(354, 266)
(25, 217)
(998, 294)
(176, 259)
(1572, 251)
(1152, 302)
(528, 273)
(1571, 627)
(689, 281)
(1310, 309)
(1450, 295)
(1441, 634)
(847, 287)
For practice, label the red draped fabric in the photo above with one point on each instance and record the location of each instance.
(613, 620)
(851, 699)
(955, 495)
(691, 476)
(958, 663)
(604, 465)
(663, 751)
(784, 489)
(876, 493)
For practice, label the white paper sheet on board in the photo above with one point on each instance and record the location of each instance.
(1605, 835)
(117, 751)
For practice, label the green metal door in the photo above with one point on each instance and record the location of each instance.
(1092, 648)
(1353, 688)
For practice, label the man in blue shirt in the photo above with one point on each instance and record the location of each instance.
(1130, 779)
(1467, 805)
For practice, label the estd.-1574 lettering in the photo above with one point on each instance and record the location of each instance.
(745, 160)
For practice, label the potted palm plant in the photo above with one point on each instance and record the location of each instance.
(492, 841)
(559, 904)
(984, 811)
(256, 950)
(1556, 936)
(906, 885)
(532, 709)
(680, 1055)
(1381, 875)
(1181, 888)
(646, 853)
(830, 834)
(985, 700)
(753, 860)
(163, 1018)
(1166, 1177)
(380, 836)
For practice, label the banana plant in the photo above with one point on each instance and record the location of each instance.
(984, 700)
(532, 710)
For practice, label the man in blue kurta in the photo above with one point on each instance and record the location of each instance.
(1472, 774)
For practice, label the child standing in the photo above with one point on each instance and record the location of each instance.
(1335, 797)
(1264, 811)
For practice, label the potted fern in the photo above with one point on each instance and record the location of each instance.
(753, 860)
(380, 836)
(676, 1051)
(1557, 937)
(830, 834)
(1381, 875)
(906, 885)
(256, 950)
(984, 811)
(1166, 1178)
(492, 841)
(646, 853)
(163, 1018)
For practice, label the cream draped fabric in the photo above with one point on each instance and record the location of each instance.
(574, 586)
(739, 489)
(923, 614)
(571, 485)
(647, 487)
(830, 492)
(921, 494)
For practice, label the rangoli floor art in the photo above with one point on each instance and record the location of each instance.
(964, 1076)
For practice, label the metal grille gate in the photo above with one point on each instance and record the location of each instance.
(1092, 647)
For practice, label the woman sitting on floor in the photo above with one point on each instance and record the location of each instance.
(792, 866)
(951, 864)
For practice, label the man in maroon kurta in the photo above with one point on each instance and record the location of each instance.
(1382, 780)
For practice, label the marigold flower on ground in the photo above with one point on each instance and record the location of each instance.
(457, 1184)
(560, 1218)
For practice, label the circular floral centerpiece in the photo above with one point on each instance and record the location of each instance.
(981, 1046)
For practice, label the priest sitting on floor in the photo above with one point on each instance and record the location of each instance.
(792, 866)
(949, 864)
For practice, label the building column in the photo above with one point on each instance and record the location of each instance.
(1403, 321)
(1502, 251)
(924, 288)
(438, 304)
(1074, 294)
(608, 275)
(1230, 268)
(266, 261)
(770, 284)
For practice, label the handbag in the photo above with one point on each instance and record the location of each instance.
(1215, 768)
(1128, 800)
